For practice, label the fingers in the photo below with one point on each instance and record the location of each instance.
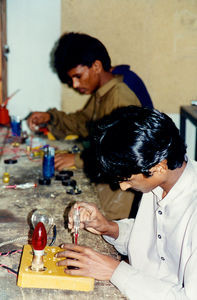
(37, 118)
(64, 160)
(84, 261)
(72, 261)
(33, 121)
(86, 210)
(73, 254)
(70, 247)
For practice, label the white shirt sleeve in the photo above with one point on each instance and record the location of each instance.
(121, 243)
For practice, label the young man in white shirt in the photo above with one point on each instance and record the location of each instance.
(142, 149)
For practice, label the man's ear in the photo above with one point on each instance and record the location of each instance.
(97, 66)
(159, 168)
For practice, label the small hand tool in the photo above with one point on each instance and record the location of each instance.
(76, 219)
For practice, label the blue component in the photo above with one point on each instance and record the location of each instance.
(48, 163)
(16, 128)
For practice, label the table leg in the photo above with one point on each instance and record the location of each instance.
(182, 125)
(196, 147)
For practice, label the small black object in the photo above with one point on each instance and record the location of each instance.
(75, 149)
(69, 182)
(62, 177)
(66, 172)
(10, 161)
(73, 190)
(44, 181)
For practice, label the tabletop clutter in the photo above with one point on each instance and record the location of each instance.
(37, 149)
(17, 145)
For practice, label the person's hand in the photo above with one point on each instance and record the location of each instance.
(64, 160)
(87, 262)
(92, 220)
(37, 118)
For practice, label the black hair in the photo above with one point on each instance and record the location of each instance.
(73, 49)
(132, 139)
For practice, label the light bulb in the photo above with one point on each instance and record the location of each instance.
(39, 241)
(39, 238)
(41, 215)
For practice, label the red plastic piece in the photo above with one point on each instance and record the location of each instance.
(39, 238)
(4, 116)
(44, 130)
(76, 238)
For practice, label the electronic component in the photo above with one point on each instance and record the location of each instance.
(53, 277)
(76, 221)
(39, 241)
(24, 186)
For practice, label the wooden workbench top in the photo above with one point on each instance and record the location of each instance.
(17, 205)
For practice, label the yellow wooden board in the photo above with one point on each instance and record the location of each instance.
(53, 277)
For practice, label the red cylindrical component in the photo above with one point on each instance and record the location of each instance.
(39, 238)
(4, 116)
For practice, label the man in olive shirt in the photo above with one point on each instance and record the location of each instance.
(83, 62)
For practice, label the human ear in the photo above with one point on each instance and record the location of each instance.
(159, 168)
(97, 66)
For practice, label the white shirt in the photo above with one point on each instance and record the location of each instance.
(161, 244)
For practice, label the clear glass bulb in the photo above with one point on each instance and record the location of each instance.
(42, 215)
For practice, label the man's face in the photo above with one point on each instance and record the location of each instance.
(84, 79)
(141, 183)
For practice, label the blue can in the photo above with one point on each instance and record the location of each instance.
(16, 125)
(48, 162)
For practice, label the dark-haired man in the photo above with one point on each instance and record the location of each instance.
(82, 62)
(147, 155)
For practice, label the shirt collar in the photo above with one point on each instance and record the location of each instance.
(108, 86)
(181, 183)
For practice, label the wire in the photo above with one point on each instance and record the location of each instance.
(54, 236)
(12, 271)
(12, 241)
(10, 252)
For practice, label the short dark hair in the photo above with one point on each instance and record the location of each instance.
(74, 49)
(133, 139)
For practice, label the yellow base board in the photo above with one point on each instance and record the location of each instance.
(53, 277)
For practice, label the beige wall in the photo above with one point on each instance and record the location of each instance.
(158, 38)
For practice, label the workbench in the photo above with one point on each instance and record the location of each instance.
(17, 205)
(188, 112)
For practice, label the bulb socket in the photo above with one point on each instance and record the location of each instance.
(37, 262)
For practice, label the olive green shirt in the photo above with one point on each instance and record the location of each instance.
(115, 93)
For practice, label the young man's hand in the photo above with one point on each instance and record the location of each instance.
(87, 262)
(37, 118)
(93, 220)
(64, 160)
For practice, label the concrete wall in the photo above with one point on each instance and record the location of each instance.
(158, 38)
